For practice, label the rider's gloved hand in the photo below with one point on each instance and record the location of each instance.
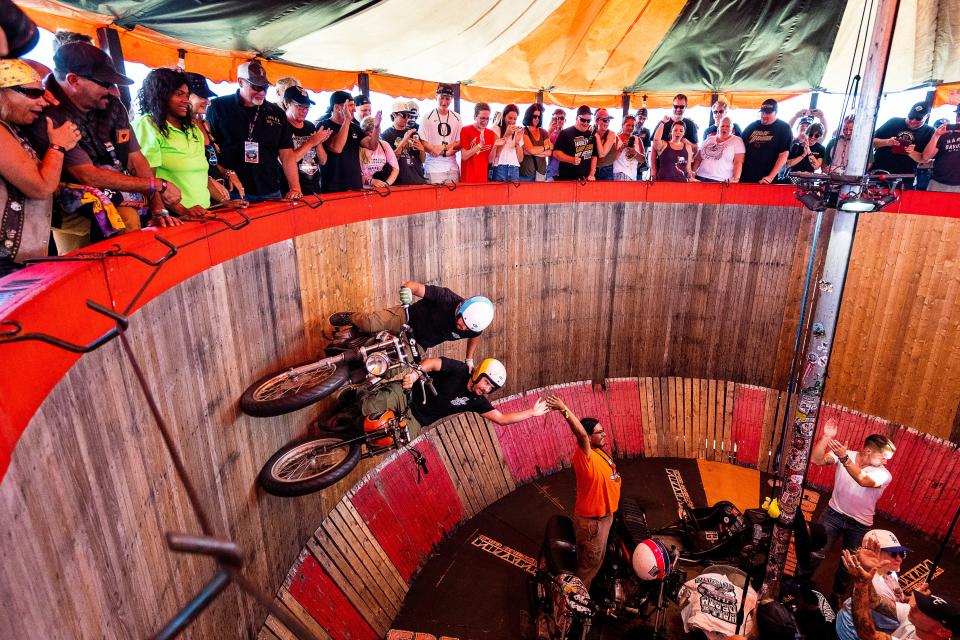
(406, 295)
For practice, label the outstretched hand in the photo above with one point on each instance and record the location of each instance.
(539, 408)
(830, 429)
(555, 403)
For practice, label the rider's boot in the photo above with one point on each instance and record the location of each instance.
(341, 318)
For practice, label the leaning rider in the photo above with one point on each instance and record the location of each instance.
(598, 490)
(440, 315)
(457, 391)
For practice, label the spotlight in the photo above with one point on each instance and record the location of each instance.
(812, 200)
(860, 194)
(859, 204)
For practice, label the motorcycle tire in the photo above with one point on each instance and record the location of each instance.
(308, 465)
(267, 396)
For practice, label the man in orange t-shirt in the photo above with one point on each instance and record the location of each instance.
(598, 490)
(476, 140)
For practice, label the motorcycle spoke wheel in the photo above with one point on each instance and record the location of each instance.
(310, 460)
(287, 384)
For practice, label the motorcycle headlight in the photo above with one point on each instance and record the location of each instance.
(377, 364)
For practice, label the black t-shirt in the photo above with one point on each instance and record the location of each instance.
(411, 167)
(946, 164)
(690, 131)
(764, 142)
(342, 170)
(816, 150)
(452, 394)
(573, 142)
(434, 317)
(309, 166)
(230, 122)
(895, 159)
(712, 131)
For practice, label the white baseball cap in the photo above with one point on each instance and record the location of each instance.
(888, 541)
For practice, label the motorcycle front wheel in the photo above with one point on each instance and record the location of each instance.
(285, 391)
(308, 465)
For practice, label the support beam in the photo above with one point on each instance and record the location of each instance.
(713, 101)
(363, 81)
(815, 341)
(540, 96)
(625, 103)
(456, 97)
(109, 41)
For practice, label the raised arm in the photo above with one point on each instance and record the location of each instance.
(583, 439)
(856, 472)
(538, 409)
(820, 448)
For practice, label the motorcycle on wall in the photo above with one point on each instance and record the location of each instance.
(353, 363)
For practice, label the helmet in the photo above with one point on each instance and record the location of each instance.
(477, 313)
(651, 560)
(493, 370)
(375, 423)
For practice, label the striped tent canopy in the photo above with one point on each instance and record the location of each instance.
(575, 51)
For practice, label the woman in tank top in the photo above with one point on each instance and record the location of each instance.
(674, 158)
(507, 152)
(537, 147)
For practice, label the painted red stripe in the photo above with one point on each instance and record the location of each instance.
(408, 519)
(319, 595)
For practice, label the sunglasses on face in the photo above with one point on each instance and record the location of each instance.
(584, 120)
(767, 110)
(536, 115)
(604, 119)
(718, 111)
(105, 85)
(679, 107)
(402, 114)
(559, 117)
(30, 92)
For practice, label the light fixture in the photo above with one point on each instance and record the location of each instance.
(859, 194)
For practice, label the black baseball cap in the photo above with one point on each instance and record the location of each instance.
(584, 110)
(806, 120)
(298, 95)
(919, 111)
(775, 621)
(769, 105)
(254, 73)
(198, 85)
(642, 111)
(340, 97)
(87, 61)
(360, 99)
(444, 89)
(946, 612)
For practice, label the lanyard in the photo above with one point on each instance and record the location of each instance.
(253, 123)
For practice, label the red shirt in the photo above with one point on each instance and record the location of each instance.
(474, 168)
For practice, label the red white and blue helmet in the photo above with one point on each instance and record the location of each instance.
(651, 560)
(477, 313)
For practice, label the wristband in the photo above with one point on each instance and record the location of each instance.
(153, 186)
(57, 147)
(161, 212)
(566, 413)
(845, 459)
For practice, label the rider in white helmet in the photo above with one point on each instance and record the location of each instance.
(440, 315)
(458, 390)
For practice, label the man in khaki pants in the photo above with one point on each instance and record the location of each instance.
(598, 490)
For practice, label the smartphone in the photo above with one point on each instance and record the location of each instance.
(953, 127)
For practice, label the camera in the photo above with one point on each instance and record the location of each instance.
(631, 141)
(953, 127)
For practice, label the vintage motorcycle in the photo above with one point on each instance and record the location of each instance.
(351, 357)
(365, 362)
(633, 585)
(638, 577)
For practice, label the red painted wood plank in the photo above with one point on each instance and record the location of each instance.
(407, 518)
(321, 598)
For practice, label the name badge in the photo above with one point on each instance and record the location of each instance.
(251, 152)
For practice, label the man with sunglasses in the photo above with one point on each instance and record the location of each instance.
(557, 121)
(720, 110)
(860, 479)
(644, 136)
(407, 145)
(900, 142)
(342, 171)
(887, 550)
(662, 132)
(575, 146)
(440, 136)
(767, 143)
(255, 138)
(945, 147)
(108, 157)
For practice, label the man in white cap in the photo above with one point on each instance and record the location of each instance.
(440, 134)
(254, 136)
(890, 553)
(406, 143)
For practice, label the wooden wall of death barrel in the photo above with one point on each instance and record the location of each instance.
(586, 291)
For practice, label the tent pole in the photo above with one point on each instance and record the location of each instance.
(109, 41)
(363, 82)
(810, 375)
(540, 99)
(456, 97)
(625, 103)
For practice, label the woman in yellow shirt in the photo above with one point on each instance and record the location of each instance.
(170, 139)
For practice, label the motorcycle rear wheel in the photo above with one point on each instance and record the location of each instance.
(282, 392)
(308, 465)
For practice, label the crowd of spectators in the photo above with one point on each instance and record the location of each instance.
(79, 164)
